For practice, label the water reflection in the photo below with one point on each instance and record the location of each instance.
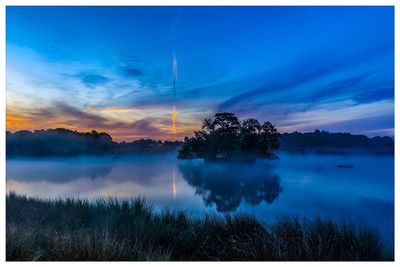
(93, 177)
(173, 184)
(227, 185)
(312, 184)
(58, 171)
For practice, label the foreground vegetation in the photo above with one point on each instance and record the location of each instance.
(109, 229)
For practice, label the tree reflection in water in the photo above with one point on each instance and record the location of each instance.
(226, 185)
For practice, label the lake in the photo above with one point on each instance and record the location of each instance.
(352, 187)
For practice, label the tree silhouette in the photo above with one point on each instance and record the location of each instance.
(226, 138)
(63, 142)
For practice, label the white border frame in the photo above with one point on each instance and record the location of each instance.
(5, 3)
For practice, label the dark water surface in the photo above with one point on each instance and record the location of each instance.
(360, 189)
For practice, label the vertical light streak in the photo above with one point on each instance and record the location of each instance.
(175, 76)
(174, 120)
(174, 72)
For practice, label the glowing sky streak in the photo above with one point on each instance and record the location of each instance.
(175, 76)
(174, 71)
(174, 120)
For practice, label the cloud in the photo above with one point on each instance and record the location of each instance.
(195, 91)
(131, 71)
(371, 126)
(302, 73)
(61, 114)
(92, 80)
(128, 66)
(146, 126)
(338, 88)
(375, 94)
(88, 120)
(341, 116)
(76, 116)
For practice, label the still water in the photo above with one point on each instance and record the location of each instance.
(300, 185)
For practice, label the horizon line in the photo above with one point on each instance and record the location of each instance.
(148, 138)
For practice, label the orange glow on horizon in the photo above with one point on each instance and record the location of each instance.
(16, 121)
(120, 110)
(19, 118)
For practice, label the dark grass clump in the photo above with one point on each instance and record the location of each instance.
(121, 230)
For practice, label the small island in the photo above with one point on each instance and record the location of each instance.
(225, 138)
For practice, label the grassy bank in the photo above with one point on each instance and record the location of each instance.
(129, 230)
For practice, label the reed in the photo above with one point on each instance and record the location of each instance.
(130, 230)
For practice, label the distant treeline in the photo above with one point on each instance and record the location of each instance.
(325, 142)
(64, 142)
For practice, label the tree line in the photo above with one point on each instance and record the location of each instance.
(223, 137)
(64, 142)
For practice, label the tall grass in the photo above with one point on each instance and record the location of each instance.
(110, 229)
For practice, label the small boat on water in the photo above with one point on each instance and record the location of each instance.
(347, 166)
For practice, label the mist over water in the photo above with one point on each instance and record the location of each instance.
(303, 185)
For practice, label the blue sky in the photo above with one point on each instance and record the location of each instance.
(110, 68)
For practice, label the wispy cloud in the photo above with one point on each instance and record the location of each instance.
(131, 71)
(304, 72)
(93, 79)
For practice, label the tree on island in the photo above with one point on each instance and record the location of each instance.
(226, 138)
